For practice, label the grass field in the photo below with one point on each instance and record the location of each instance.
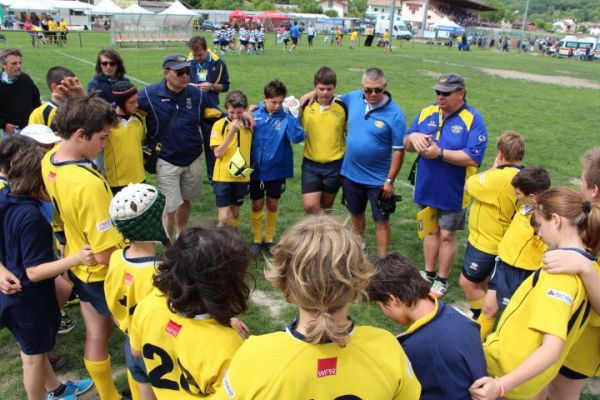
(559, 123)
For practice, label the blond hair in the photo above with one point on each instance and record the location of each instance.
(319, 265)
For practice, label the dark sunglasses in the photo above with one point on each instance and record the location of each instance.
(182, 71)
(445, 94)
(371, 90)
(111, 63)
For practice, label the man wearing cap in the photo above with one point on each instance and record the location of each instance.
(174, 109)
(450, 137)
(18, 94)
(209, 73)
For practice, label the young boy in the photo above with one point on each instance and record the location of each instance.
(45, 113)
(272, 160)
(183, 329)
(520, 251)
(123, 156)
(442, 344)
(230, 140)
(353, 39)
(137, 212)
(324, 123)
(81, 198)
(27, 251)
(492, 209)
(387, 44)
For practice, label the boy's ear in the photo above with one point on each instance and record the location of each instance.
(596, 194)
(79, 134)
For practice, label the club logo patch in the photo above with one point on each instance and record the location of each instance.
(456, 129)
(558, 295)
(379, 124)
(326, 367)
(474, 266)
(103, 226)
(188, 103)
(173, 328)
(128, 279)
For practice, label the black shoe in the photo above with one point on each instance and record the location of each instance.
(256, 249)
(266, 248)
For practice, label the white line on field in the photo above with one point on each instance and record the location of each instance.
(133, 78)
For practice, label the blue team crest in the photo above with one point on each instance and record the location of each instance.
(379, 124)
(456, 129)
(432, 124)
(277, 125)
(188, 103)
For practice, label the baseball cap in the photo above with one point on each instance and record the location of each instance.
(175, 62)
(449, 83)
(40, 133)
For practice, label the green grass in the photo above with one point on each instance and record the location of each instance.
(559, 124)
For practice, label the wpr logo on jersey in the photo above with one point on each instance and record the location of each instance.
(173, 328)
(326, 367)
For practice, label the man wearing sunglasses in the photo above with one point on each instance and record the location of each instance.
(174, 110)
(451, 138)
(374, 153)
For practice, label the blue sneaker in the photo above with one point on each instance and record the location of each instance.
(73, 388)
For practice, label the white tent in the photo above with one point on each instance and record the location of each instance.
(106, 7)
(178, 9)
(135, 9)
(6, 3)
(31, 5)
(70, 5)
(447, 25)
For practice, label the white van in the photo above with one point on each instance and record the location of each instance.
(567, 46)
(401, 28)
(585, 48)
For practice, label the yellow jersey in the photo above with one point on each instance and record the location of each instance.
(386, 36)
(492, 208)
(127, 282)
(186, 358)
(52, 26)
(62, 26)
(81, 198)
(44, 114)
(544, 304)
(325, 130)
(354, 35)
(282, 365)
(217, 136)
(123, 155)
(520, 246)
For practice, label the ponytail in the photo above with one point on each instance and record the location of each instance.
(325, 329)
(590, 230)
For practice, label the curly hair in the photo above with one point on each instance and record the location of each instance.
(204, 271)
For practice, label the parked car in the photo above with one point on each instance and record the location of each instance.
(208, 25)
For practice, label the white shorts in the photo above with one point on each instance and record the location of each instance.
(179, 183)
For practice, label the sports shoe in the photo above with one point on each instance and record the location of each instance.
(256, 249)
(427, 278)
(267, 249)
(439, 288)
(66, 324)
(73, 388)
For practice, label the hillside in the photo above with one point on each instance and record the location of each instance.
(548, 10)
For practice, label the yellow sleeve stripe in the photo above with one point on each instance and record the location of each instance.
(428, 111)
(212, 113)
(467, 118)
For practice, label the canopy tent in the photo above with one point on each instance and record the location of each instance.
(135, 9)
(106, 7)
(31, 5)
(238, 14)
(70, 5)
(6, 3)
(446, 25)
(272, 15)
(178, 9)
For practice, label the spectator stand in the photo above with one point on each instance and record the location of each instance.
(137, 26)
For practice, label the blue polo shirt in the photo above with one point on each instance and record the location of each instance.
(25, 241)
(372, 135)
(173, 119)
(213, 70)
(445, 351)
(295, 31)
(440, 184)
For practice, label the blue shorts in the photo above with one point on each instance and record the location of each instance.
(135, 365)
(244, 42)
(356, 196)
(230, 193)
(92, 293)
(272, 189)
(506, 280)
(477, 265)
(34, 325)
(321, 177)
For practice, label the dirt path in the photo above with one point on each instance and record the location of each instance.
(566, 81)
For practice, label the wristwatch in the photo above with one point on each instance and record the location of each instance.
(441, 155)
(390, 181)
